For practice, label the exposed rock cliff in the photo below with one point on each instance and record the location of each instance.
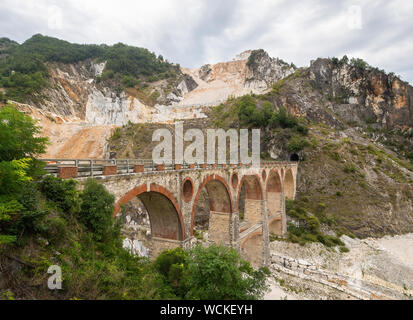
(365, 95)
(250, 72)
(75, 97)
(363, 106)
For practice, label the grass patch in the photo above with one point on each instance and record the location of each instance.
(308, 227)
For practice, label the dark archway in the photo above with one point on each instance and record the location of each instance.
(295, 157)
(164, 214)
(274, 193)
(289, 185)
(212, 210)
(249, 201)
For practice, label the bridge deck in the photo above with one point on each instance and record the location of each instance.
(97, 167)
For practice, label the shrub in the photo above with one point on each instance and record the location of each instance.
(154, 96)
(219, 273)
(8, 210)
(296, 144)
(96, 211)
(329, 241)
(3, 98)
(170, 264)
(13, 177)
(117, 134)
(55, 229)
(359, 63)
(32, 215)
(344, 249)
(309, 225)
(350, 168)
(62, 192)
(129, 81)
(344, 60)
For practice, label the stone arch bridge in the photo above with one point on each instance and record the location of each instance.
(170, 195)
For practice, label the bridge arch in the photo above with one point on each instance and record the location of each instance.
(164, 213)
(219, 207)
(252, 248)
(289, 185)
(274, 193)
(249, 199)
(275, 226)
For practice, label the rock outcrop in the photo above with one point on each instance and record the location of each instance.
(365, 95)
(264, 71)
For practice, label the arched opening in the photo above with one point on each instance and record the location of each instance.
(275, 227)
(250, 201)
(252, 249)
(187, 190)
(234, 180)
(274, 194)
(136, 228)
(211, 214)
(295, 157)
(289, 185)
(152, 220)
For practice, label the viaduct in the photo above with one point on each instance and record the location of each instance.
(170, 194)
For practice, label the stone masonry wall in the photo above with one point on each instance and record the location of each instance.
(219, 226)
(253, 211)
(274, 202)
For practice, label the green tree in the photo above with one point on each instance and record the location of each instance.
(19, 142)
(171, 264)
(219, 273)
(19, 135)
(344, 60)
(96, 210)
(296, 144)
(3, 98)
(63, 192)
(13, 181)
(359, 63)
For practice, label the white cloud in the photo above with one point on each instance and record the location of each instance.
(205, 31)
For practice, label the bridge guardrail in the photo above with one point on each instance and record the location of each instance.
(72, 168)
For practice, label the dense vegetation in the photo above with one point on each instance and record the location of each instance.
(49, 221)
(252, 111)
(23, 71)
(307, 225)
(359, 64)
(18, 146)
(216, 273)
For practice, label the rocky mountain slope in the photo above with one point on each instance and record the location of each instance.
(85, 93)
(357, 156)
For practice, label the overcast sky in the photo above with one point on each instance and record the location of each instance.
(196, 32)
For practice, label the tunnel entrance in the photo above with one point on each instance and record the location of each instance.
(295, 157)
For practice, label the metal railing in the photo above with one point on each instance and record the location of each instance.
(95, 167)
